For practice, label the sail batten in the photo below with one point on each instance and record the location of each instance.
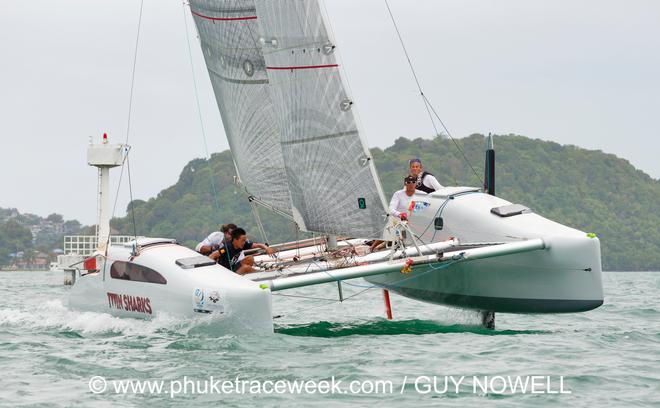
(305, 67)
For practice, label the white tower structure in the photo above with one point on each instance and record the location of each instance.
(104, 156)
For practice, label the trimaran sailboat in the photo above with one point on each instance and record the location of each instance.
(299, 151)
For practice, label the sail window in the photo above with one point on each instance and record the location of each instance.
(345, 105)
(134, 272)
(269, 41)
(248, 67)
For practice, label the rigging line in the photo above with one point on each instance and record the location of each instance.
(412, 70)
(358, 293)
(130, 191)
(128, 122)
(306, 309)
(127, 150)
(305, 297)
(130, 98)
(427, 103)
(454, 140)
(327, 301)
(438, 213)
(199, 109)
(394, 282)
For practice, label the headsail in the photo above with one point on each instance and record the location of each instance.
(229, 34)
(331, 177)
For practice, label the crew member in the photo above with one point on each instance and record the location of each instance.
(215, 240)
(424, 180)
(401, 199)
(231, 255)
(399, 206)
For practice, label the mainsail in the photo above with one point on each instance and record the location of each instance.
(229, 35)
(332, 179)
(289, 119)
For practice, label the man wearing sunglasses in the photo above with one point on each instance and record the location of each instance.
(399, 205)
(401, 199)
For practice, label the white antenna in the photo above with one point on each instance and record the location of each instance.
(104, 156)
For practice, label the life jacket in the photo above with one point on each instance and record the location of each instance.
(420, 183)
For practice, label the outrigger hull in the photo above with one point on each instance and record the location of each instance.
(564, 278)
(455, 259)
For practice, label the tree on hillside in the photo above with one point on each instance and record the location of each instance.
(13, 238)
(55, 218)
(72, 226)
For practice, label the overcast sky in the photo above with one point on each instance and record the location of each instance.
(575, 72)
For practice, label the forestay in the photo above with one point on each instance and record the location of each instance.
(331, 177)
(229, 35)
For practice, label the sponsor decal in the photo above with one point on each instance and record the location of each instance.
(416, 206)
(198, 297)
(207, 301)
(129, 303)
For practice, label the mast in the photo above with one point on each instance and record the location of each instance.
(489, 167)
(488, 317)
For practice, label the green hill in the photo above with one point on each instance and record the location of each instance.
(586, 189)
(23, 236)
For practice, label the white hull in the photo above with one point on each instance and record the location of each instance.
(560, 279)
(240, 304)
(531, 265)
(564, 277)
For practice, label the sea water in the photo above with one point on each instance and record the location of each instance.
(326, 353)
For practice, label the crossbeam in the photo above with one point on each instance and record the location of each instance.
(379, 268)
